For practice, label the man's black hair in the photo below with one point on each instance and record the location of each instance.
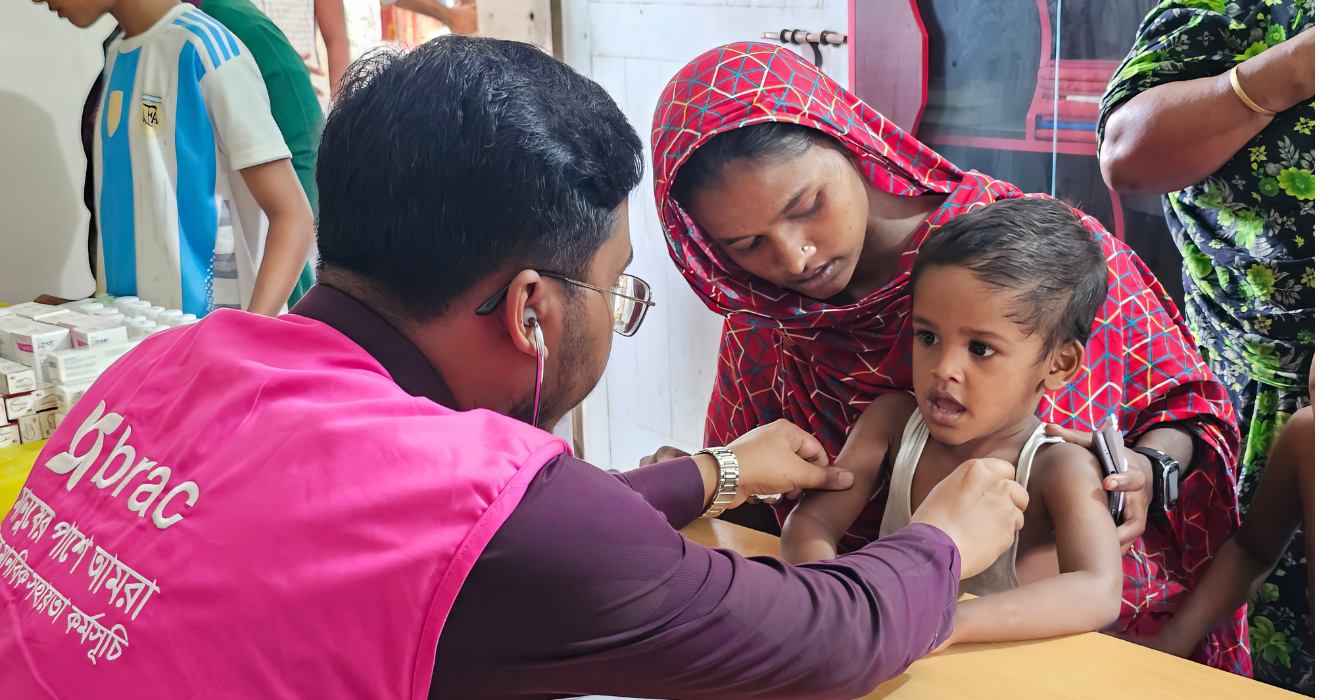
(759, 143)
(439, 165)
(1040, 251)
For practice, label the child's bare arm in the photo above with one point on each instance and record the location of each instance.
(812, 531)
(275, 187)
(1087, 593)
(1244, 561)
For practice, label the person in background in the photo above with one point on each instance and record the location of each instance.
(461, 18)
(300, 20)
(1216, 107)
(1284, 501)
(293, 101)
(364, 21)
(795, 210)
(189, 165)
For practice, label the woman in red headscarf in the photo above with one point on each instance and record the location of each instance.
(795, 211)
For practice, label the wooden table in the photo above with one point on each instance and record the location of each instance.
(1080, 666)
(1088, 665)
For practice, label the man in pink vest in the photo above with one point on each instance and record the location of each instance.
(359, 500)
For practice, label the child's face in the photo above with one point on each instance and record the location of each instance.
(80, 13)
(975, 371)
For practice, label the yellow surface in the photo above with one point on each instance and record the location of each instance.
(15, 463)
(1080, 666)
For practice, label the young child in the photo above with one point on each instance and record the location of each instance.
(197, 203)
(1002, 306)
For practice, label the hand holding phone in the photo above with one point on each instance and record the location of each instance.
(1107, 443)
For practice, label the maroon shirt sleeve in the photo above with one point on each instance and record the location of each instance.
(673, 487)
(587, 589)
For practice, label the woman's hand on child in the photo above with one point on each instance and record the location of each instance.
(1134, 482)
(979, 506)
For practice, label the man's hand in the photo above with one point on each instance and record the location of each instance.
(666, 453)
(1135, 482)
(775, 458)
(979, 506)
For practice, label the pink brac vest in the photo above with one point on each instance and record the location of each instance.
(250, 508)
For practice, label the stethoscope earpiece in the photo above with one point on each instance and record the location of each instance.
(538, 342)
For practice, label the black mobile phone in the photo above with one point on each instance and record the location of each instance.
(1108, 446)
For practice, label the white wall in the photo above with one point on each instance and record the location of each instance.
(658, 383)
(49, 67)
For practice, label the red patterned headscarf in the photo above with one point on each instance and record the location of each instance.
(784, 355)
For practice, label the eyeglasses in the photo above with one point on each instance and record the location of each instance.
(630, 298)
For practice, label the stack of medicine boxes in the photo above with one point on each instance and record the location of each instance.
(50, 355)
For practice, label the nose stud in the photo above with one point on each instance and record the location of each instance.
(808, 249)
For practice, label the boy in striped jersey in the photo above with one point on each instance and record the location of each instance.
(198, 204)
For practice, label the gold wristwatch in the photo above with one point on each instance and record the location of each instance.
(727, 487)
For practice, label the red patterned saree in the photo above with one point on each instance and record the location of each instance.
(784, 355)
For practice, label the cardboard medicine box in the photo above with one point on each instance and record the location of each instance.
(66, 395)
(9, 434)
(71, 320)
(86, 364)
(29, 428)
(9, 324)
(19, 405)
(92, 335)
(37, 341)
(44, 399)
(49, 422)
(16, 378)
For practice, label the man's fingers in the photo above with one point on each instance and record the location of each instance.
(1076, 437)
(806, 446)
(998, 467)
(812, 477)
(1020, 498)
(837, 479)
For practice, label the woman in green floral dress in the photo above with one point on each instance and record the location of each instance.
(1238, 164)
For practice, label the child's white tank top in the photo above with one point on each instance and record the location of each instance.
(1002, 575)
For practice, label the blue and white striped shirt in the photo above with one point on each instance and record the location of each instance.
(185, 110)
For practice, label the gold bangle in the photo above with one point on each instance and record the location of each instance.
(1237, 87)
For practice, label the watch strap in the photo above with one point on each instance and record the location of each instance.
(727, 486)
(1165, 473)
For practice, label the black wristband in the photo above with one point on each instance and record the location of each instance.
(1164, 473)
